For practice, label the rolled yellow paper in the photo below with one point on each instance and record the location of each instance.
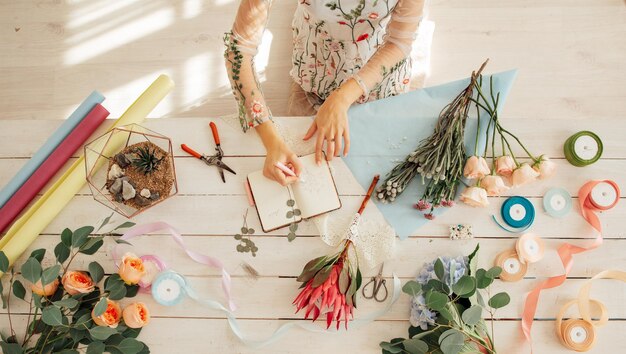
(26, 229)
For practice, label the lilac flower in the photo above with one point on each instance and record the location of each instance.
(421, 316)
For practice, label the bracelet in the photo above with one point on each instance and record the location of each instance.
(361, 84)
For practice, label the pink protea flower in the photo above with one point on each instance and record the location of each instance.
(326, 293)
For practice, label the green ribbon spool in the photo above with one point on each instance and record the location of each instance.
(583, 148)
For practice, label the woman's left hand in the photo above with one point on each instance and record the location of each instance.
(331, 125)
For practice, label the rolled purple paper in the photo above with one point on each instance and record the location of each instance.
(38, 180)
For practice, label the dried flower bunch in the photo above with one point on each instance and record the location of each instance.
(68, 311)
(505, 170)
(438, 158)
(447, 303)
(245, 243)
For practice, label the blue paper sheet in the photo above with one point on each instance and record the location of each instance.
(384, 132)
(49, 146)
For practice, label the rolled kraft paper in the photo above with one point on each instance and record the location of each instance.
(49, 146)
(34, 221)
(51, 166)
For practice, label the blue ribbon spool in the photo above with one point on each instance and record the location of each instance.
(518, 213)
(168, 288)
(557, 202)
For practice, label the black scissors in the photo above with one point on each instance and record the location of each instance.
(214, 160)
(377, 282)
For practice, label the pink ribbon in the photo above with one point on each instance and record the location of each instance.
(588, 209)
(144, 229)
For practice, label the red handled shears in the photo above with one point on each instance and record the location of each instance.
(214, 160)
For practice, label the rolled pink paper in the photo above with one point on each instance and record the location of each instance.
(37, 181)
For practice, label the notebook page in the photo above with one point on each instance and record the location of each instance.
(271, 201)
(315, 192)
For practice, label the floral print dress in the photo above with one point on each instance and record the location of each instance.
(333, 41)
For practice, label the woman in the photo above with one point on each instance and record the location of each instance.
(345, 51)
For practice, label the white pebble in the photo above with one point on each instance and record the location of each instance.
(128, 191)
(115, 172)
(145, 193)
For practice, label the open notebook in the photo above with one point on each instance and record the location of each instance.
(314, 194)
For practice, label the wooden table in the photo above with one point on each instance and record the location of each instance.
(209, 213)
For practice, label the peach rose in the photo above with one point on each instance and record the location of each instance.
(136, 315)
(545, 167)
(110, 317)
(77, 282)
(523, 175)
(494, 185)
(47, 290)
(131, 269)
(476, 167)
(475, 196)
(505, 165)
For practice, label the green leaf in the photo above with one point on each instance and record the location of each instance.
(439, 270)
(118, 293)
(96, 347)
(291, 202)
(50, 274)
(289, 214)
(79, 236)
(61, 252)
(11, 348)
(437, 285)
(465, 285)
(83, 321)
(52, 316)
(473, 254)
(499, 300)
(494, 272)
(92, 245)
(412, 288)
(38, 254)
(4, 262)
(105, 221)
(31, 270)
(244, 230)
(390, 347)
(18, 289)
(322, 275)
(66, 237)
(415, 346)
(130, 346)
(297, 212)
(482, 280)
(96, 271)
(291, 236)
(101, 332)
(472, 315)
(344, 280)
(359, 279)
(436, 300)
(68, 303)
(100, 307)
(451, 341)
(125, 225)
(131, 290)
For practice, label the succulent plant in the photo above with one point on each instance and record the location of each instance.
(146, 160)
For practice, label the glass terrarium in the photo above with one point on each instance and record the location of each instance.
(131, 169)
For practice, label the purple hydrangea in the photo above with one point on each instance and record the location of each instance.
(421, 316)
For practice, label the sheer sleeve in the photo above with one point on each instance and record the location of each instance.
(401, 33)
(241, 47)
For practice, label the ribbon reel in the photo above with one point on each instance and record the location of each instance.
(557, 202)
(518, 213)
(529, 248)
(583, 148)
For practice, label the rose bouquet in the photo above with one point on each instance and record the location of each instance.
(67, 310)
(447, 302)
(438, 158)
(505, 171)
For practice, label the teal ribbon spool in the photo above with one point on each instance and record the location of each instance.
(168, 288)
(518, 214)
(557, 202)
(583, 148)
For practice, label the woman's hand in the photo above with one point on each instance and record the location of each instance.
(331, 122)
(277, 151)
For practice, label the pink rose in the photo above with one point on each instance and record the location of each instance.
(494, 185)
(545, 167)
(505, 165)
(475, 196)
(523, 175)
(476, 167)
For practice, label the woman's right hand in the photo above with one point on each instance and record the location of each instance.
(277, 151)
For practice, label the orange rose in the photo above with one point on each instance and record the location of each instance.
(110, 317)
(77, 282)
(45, 290)
(136, 315)
(494, 185)
(505, 165)
(524, 174)
(131, 269)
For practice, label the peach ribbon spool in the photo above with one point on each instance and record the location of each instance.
(529, 248)
(512, 268)
(593, 196)
(579, 333)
